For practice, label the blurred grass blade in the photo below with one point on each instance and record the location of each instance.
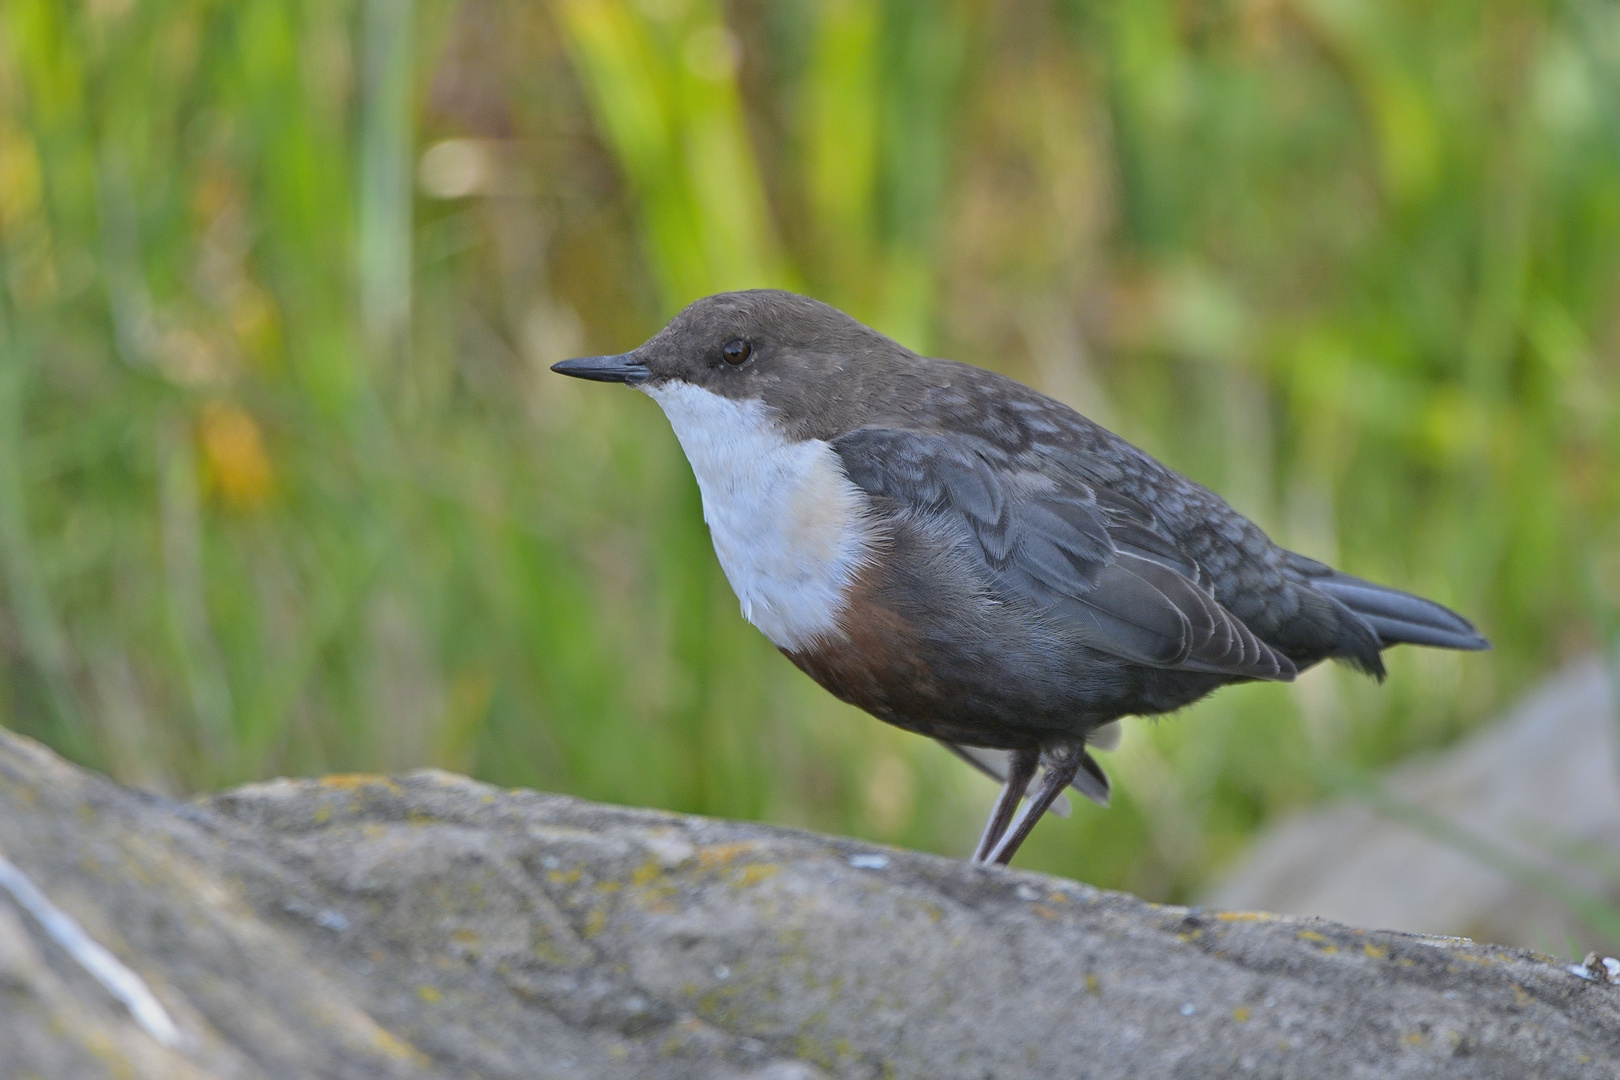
(43, 640)
(664, 92)
(184, 576)
(842, 114)
(387, 114)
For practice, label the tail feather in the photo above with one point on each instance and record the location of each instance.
(1398, 617)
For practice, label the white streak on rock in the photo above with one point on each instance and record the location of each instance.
(103, 966)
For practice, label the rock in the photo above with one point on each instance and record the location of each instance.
(429, 926)
(1540, 788)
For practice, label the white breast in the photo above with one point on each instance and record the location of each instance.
(788, 526)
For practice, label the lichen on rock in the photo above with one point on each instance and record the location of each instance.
(429, 926)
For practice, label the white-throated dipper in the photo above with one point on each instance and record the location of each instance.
(970, 560)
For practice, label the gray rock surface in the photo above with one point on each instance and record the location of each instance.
(429, 926)
(1542, 787)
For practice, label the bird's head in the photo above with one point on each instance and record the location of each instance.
(817, 371)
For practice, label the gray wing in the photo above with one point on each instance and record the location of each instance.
(1097, 561)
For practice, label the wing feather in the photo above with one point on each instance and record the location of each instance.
(1096, 560)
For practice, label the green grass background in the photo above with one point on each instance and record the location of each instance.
(285, 486)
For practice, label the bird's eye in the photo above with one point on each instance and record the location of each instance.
(737, 352)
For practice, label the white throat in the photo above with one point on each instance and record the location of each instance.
(789, 528)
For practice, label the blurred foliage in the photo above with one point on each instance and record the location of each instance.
(285, 486)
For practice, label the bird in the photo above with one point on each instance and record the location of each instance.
(968, 559)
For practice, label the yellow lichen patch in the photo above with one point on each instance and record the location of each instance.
(1312, 935)
(755, 873)
(1483, 961)
(1413, 1038)
(650, 889)
(108, 1054)
(464, 937)
(1519, 996)
(428, 994)
(563, 877)
(1092, 985)
(547, 953)
(1375, 952)
(720, 854)
(1245, 916)
(1240, 1014)
(323, 815)
(395, 1047)
(607, 886)
(1044, 912)
(594, 921)
(1189, 935)
(1056, 897)
(353, 781)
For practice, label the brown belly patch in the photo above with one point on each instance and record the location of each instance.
(876, 663)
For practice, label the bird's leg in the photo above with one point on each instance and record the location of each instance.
(1020, 771)
(1060, 765)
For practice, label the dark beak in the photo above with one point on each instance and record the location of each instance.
(623, 368)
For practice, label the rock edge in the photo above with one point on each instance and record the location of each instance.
(431, 926)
